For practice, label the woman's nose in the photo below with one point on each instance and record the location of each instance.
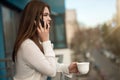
(49, 19)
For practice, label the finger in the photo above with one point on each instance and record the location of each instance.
(48, 27)
(38, 29)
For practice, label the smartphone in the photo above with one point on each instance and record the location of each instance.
(42, 22)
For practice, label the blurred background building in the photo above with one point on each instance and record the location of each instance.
(71, 25)
(118, 12)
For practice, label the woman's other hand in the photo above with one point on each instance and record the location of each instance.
(73, 68)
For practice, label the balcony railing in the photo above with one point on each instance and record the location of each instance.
(9, 68)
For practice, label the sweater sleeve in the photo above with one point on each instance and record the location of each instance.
(34, 58)
(64, 69)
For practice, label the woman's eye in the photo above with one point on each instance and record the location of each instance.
(46, 14)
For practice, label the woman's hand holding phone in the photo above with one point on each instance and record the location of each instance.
(43, 31)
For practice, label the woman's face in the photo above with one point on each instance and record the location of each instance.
(46, 15)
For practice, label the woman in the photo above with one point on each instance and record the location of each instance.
(33, 52)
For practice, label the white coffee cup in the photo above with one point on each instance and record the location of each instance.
(83, 67)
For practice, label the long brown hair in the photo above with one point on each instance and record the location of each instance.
(27, 28)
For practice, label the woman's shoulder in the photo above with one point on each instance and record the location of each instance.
(28, 42)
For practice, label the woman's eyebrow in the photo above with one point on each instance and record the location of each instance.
(46, 13)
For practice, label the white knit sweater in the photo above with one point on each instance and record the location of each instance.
(32, 64)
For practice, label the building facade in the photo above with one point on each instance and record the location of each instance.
(118, 12)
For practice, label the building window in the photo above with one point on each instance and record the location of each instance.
(58, 31)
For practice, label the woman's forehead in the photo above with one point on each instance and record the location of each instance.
(46, 10)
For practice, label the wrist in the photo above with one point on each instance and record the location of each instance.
(69, 69)
(44, 39)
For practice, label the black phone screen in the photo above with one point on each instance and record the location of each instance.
(42, 22)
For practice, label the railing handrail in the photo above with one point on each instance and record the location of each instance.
(5, 59)
(8, 75)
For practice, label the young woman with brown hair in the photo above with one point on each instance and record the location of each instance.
(33, 52)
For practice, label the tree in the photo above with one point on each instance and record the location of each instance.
(85, 40)
(111, 38)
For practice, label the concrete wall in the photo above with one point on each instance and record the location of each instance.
(71, 25)
(118, 13)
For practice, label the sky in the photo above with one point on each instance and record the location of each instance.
(92, 12)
